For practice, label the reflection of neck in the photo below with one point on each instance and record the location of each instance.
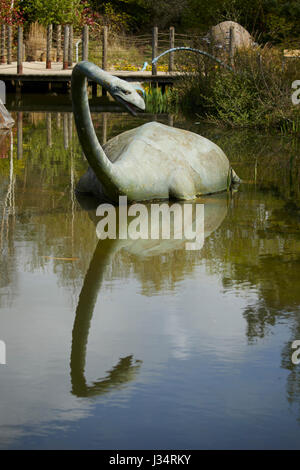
(84, 314)
(124, 370)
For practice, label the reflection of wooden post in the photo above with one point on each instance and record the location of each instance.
(20, 135)
(9, 43)
(20, 51)
(172, 45)
(85, 42)
(104, 128)
(49, 130)
(154, 48)
(70, 126)
(70, 57)
(66, 47)
(65, 131)
(58, 43)
(2, 52)
(49, 46)
(58, 120)
(231, 46)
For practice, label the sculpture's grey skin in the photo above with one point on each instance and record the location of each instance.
(153, 161)
(6, 121)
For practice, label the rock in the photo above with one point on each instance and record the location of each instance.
(219, 35)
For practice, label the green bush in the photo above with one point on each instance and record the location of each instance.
(257, 94)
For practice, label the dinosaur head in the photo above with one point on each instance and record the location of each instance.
(128, 95)
(123, 92)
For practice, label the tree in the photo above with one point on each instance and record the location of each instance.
(10, 12)
(53, 11)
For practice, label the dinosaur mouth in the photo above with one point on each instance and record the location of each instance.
(129, 106)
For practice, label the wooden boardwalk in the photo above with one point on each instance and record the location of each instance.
(36, 72)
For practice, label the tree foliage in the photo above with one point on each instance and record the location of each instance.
(271, 20)
(10, 12)
(53, 11)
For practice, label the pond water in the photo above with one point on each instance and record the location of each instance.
(128, 346)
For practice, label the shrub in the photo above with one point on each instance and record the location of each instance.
(256, 94)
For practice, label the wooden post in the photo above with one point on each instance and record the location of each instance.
(104, 128)
(208, 65)
(65, 130)
(231, 46)
(172, 45)
(104, 54)
(171, 120)
(2, 52)
(85, 42)
(70, 56)
(58, 43)
(154, 48)
(58, 120)
(20, 51)
(9, 43)
(49, 46)
(66, 47)
(104, 48)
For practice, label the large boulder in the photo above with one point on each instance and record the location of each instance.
(219, 35)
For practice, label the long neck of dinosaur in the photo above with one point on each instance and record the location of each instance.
(101, 165)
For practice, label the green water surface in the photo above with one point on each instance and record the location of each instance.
(123, 345)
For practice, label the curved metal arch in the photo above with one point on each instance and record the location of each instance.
(191, 49)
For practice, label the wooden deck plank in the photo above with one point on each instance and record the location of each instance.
(36, 71)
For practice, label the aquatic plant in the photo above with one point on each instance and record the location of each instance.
(156, 101)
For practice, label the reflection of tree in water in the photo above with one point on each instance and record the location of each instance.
(258, 247)
(7, 226)
(272, 162)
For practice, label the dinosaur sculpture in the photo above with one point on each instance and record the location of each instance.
(106, 251)
(153, 161)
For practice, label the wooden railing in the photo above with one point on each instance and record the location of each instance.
(61, 44)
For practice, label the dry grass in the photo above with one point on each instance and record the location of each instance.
(256, 94)
(35, 43)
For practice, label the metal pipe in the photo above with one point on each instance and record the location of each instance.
(191, 49)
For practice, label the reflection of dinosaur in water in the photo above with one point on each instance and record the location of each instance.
(127, 368)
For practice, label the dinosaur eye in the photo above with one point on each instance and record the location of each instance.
(127, 92)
